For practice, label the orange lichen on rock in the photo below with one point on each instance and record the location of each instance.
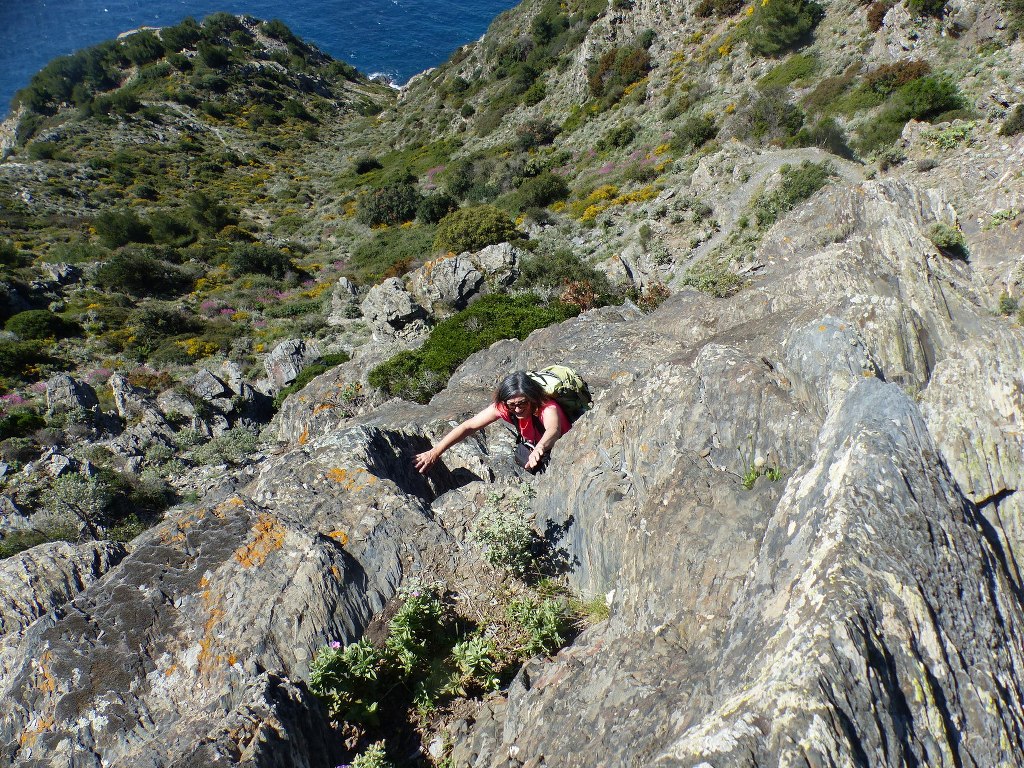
(351, 480)
(268, 536)
(304, 437)
(339, 536)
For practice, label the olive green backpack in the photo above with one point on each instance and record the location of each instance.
(566, 387)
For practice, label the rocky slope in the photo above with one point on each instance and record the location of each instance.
(797, 492)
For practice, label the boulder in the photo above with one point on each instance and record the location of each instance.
(449, 281)
(499, 263)
(67, 395)
(207, 386)
(46, 577)
(392, 311)
(344, 302)
(287, 359)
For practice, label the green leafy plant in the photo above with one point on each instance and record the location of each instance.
(780, 25)
(374, 756)
(949, 240)
(391, 204)
(19, 541)
(347, 679)
(1014, 124)
(473, 228)
(545, 624)
(797, 184)
(502, 529)
(38, 324)
(474, 666)
(233, 447)
(796, 67)
(712, 277)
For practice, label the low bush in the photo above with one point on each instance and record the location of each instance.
(772, 117)
(19, 541)
(618, 137)
(141, 272)
(797, 184)
(20, 423)
(781, 25)
(419, 374)
(392, 204)
(16, 356)
(888, 77)
(539, 191)
(693, 133)
(233, 447)
(120, 227)
(550, 275)
(473, 228)
(927, 98)
(796, 67)
(535, 133)
(712, 277)
(949, 240)
(259, 259)
(615, 70)
(159, 320)
(927, 7)
(433, 208)
(1014, 124)
(39, 324)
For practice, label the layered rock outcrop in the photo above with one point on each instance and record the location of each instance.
(858, 604)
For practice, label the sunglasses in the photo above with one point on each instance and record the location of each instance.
(515, 405)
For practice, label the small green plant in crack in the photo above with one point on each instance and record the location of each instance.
(949, 240)
(502, 529)
(757, 466)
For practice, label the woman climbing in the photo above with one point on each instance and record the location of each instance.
(522, 402)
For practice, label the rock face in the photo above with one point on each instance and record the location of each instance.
(66, 395)
(802, 503)
(287, 360)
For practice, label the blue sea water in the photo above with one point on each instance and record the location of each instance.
(397, 38)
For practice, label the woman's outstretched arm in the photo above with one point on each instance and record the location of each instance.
(424, 461)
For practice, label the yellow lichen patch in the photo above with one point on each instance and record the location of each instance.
(207, 658)
(48, 683)
(336, 572)
(339, 536)
(232, 659)
(224, 507)
(268, 536)
(351, 480)
(36, 728)
(304, 437)
(170, 670)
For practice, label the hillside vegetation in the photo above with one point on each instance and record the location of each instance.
(211, 226)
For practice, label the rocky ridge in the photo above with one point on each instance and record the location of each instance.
(799, 501)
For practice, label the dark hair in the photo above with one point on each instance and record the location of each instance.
(519, 384)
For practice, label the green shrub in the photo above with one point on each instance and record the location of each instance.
(141, 272)
(15, 356)
(712, 277)
(259, 259)
(721, 8)
(389, 253)
(170, 228)
(546, 624)
(120, 227)
(419, 374)
(38, 324)
(551, 275)
(1014, 124)
(159, 320)
(927, 7)
(433, 208)
(392, 204)
(142, 47)
(347, 680)
(207, 214)
(773, 117)
(618, 137)
(365, 164)
(181, 36)
(949, 240)
(926, 98)
(693, 133)
(502, 528)
(781, 25)
(535, 133)
(540, 191)
(797, 184)
(796, 67)
(473, 228)
(19, 541)
(20, 423)
(233, 447)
